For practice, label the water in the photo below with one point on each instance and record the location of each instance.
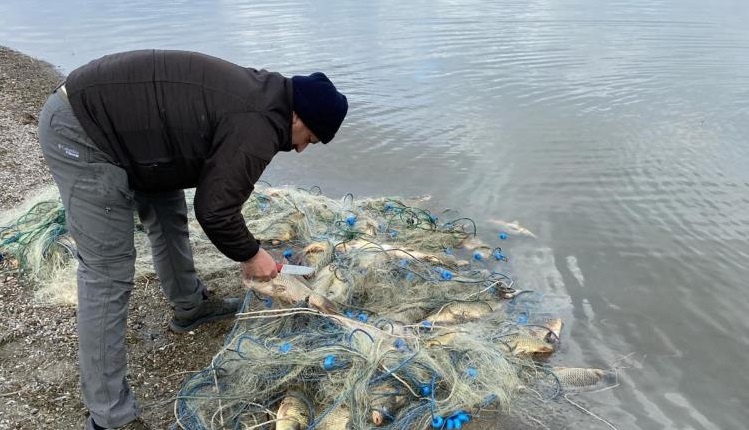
(613, 130)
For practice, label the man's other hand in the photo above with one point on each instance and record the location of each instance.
(261, 267)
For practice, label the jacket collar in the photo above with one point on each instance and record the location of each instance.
(284, 145)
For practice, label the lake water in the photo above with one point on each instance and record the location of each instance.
(616, 131)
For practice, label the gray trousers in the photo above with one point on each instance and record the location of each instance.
(100, 210)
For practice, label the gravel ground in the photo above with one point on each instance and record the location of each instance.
(24, 86)
(39, 381)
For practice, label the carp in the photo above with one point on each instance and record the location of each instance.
(443, 339)
(387, 401)
(526, 345)
(513, 228)
(291, 290)
(555, 326)
(317, 254)
(459, 312)
(338, 419)
(293, 413)
(327, 284)
(409, 314)
(579, 378)
(278, 233)
(282, 231)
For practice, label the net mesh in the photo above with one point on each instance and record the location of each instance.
(420, 330)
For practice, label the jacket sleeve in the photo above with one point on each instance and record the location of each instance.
(243, 145)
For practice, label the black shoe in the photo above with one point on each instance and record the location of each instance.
(136, 424)
(211, 309)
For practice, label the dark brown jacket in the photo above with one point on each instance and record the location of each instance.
(175, 120)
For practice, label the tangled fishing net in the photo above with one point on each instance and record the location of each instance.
(405, 324)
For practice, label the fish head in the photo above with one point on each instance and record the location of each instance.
(317, 254)
(539, 349)
(443, 339)
(278, 233)
(292, 414)
(555, 326)
(338, 290)
(379, 417)
(386, 402)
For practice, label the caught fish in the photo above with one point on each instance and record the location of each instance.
(555, 326)
(327, 284)
(505, 292)
(338, 290)
(443, 339)
(409, 315)
(578, 378)
(291, 290)
(369, 227)
(367, 254)
(282, 231)
(317, 254)
(293, 413)
(338, 419)
(459, 312)
(387, 401)
(525, 345)
(277, 233)
(370, 253)
(549, 331)
(513, 228)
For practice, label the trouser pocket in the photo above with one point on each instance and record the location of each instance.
(101, 212)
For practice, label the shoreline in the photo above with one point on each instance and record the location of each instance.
(25, 84)
(39, 380)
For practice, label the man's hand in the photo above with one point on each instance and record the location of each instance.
(261, 267)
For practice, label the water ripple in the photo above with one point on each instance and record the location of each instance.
(617, 132)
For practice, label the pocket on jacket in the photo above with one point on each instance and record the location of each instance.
(158, 176)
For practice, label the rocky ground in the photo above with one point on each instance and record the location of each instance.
(39, 385)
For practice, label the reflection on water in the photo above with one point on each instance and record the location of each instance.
(614, 130)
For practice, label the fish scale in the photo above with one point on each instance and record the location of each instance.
(583, 378)
(338, 419)
(458, 312)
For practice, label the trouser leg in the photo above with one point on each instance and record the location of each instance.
(164, 216)
(100, 208)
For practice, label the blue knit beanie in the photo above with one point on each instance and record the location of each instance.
(321, 107)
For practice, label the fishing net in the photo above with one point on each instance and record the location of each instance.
(407, 323)
(34, 242)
